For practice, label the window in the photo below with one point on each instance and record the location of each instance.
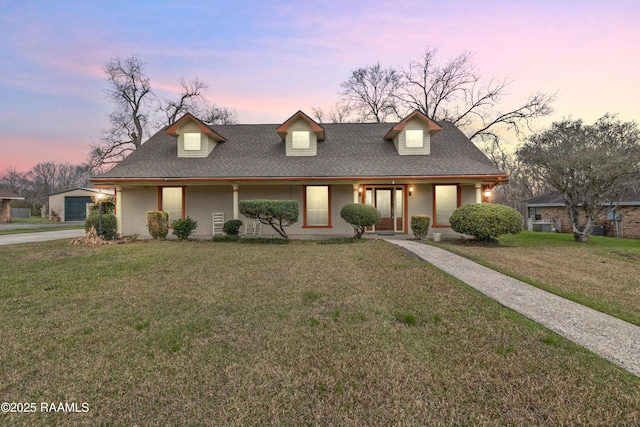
(172, 202)
(317, 206)
(446, 200)
(300, 139)
(414, 139)
(535, 213)
(192, 142)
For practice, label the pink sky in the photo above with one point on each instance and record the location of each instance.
(267, 60)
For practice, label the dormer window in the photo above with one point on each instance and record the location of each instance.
(194, 138)
(301, 135)
(412, 136)
(300, 140)
(415, 138)
(192, 142)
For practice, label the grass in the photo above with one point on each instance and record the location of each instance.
(206, 333)
(601, 274)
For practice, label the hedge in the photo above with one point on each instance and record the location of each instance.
(158, 224)
(486, 221)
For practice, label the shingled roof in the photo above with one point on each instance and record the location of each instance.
(350, 150)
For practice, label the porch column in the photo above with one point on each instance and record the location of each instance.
(356, 195)
(6, 210)
(236, 203)
(478, 193)
(118, 210)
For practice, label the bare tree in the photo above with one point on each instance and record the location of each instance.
(452, 92)
(189, 102)
(591, 166)
(340, 112)
(137, 108)
(14, 181)
(524, 182)
(455, 92)
(130, 91)
(214, 115)
(372, 92)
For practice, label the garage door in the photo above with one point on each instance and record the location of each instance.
(75, 208)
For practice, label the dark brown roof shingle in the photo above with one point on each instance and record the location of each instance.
(356, 150)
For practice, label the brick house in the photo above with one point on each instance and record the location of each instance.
(623, 220)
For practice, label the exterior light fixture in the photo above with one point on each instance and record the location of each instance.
(410, 190)
(487, 193)
(359, 190)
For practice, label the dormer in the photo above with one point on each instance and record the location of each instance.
(195, 139)
(301, 135)
(412, 136)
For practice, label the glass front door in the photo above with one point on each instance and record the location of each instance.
(390, 203)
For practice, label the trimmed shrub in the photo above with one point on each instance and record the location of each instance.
(486, 222)
(158, 224)
(183, 228)
(276, 213)
(109, 229)
(420, 226)
(360, 216)
(232, 227)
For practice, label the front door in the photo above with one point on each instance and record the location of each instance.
(384, 204)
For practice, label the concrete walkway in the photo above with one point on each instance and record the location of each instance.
(42, 236)
(607, 336)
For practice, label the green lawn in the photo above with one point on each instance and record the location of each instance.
(204, 333)
(602, 274)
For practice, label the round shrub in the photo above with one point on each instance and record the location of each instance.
(360, 216)
(420, 226)
(109, 229)
(183, 228)
(232, 227)
(486, 222)
(158, 223)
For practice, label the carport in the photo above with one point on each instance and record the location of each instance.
(6, 197)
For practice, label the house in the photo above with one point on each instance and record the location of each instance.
(622, 220)
(73, 205)
(6, 197)
(415, 166)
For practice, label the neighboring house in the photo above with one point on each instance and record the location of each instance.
(623, 219)
(6, 197)
(73, 205)
(416, 166)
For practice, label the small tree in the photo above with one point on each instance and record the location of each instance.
(183, 228)
(360, 216)
(276, 213)
(158, 223)
(486, 222)
(591, 166)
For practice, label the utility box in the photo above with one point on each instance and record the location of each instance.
(613, 216)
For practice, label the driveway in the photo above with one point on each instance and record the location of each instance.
(43, 236)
